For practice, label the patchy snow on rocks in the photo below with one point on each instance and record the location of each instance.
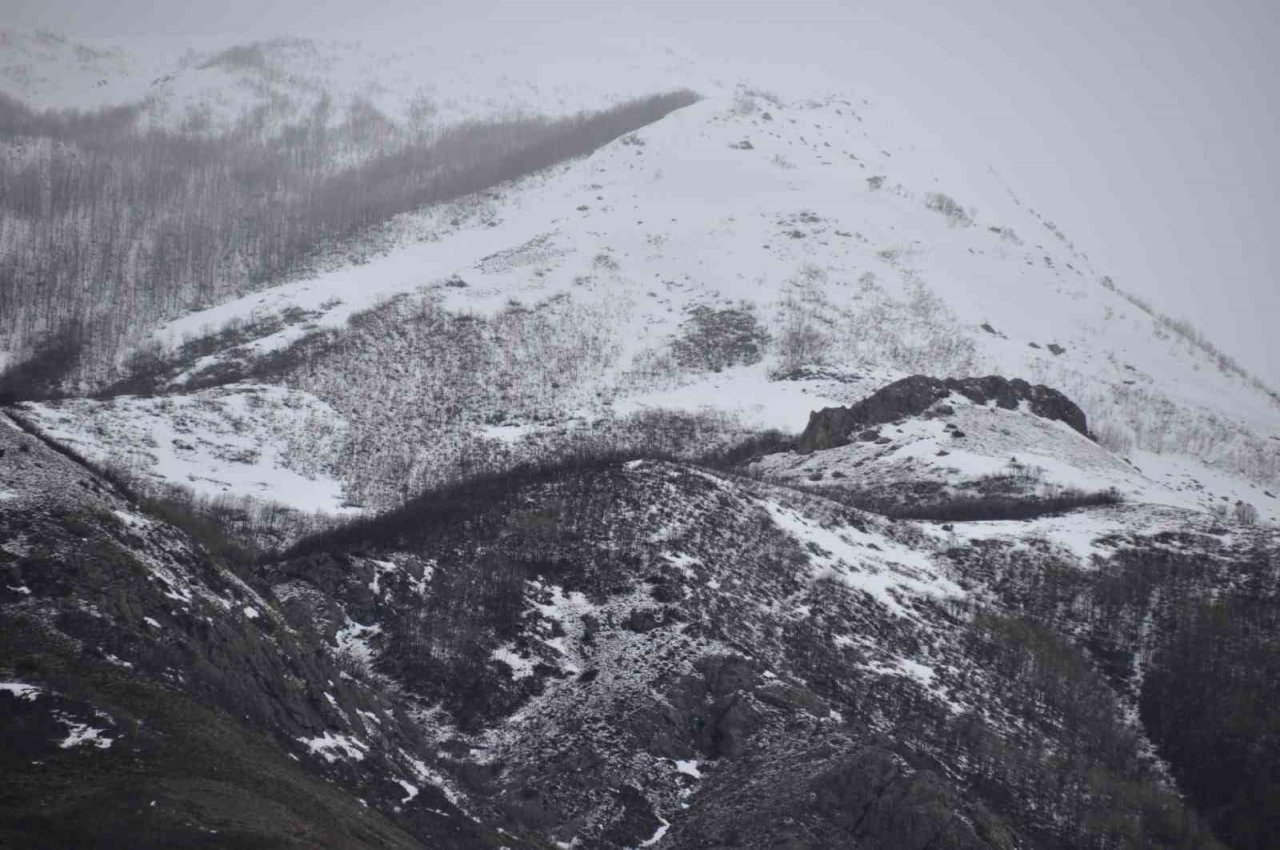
(79, 734)
(18, 690)
(333, 747)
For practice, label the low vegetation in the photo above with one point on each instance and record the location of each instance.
(1003, 507)
(712, 340)
(164, 221)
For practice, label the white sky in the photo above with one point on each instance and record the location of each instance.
(1146, 130)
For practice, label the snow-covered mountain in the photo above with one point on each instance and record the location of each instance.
(854, 248)
(507, 533)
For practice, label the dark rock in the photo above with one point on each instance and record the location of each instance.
(643, 620)
(912, 396)
(636, 821)
(831, 426)
(1056, 349)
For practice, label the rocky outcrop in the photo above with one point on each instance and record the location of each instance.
(832, 426)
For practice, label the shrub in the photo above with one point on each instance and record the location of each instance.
(1244, 513)
(41, 376)
(712, 340)
(948, 206)
(981, 508)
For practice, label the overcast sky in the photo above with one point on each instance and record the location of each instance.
(1146, 130)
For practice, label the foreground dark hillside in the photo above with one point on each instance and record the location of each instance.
(626, 653)
(154, 698)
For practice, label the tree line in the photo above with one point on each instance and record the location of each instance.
(109, 227)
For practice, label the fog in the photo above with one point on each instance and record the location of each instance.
(1145, 130)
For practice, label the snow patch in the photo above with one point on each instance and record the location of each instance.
(80, 734)
(846, 554)
(332, 747)
(410, 790)
(521, 667)
(689, 767)
(29, 693)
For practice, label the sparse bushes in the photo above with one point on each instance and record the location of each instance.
(1244, 513)
(712, 340)
(948, 206)
(916, 333)
(1193, 336)
(218, 527)
(1135, 416)
(746, 101)
(807, 328)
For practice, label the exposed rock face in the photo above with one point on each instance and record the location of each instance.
(912, 396)
(1045, 402)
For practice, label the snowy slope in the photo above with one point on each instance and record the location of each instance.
(682, 214)
(834, 216)
(263, 442)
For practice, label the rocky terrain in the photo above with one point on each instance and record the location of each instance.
(621, 653)
(392, 467)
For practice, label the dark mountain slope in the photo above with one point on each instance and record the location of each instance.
(616, 654)
(649, 652)
(151, 697)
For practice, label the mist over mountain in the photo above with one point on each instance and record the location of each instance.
(534, 437)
